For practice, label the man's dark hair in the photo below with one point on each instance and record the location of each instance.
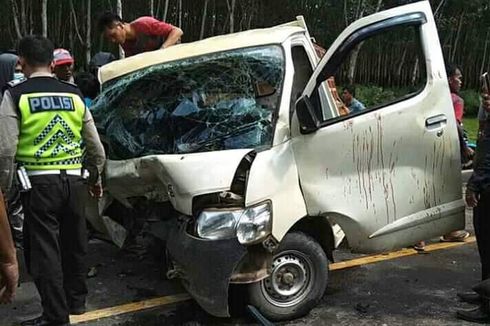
(351, 89)
(107, 19)
(88, 84)
(36, 50)
(451, 69)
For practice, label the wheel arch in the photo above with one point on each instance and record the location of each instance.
(319, 228)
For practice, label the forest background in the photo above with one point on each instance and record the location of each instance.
(464, 26)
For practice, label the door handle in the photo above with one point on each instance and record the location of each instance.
(436, 122)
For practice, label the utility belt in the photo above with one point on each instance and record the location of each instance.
(76, 172)
(25, 182)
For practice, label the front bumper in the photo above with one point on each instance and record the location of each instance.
(205, 267)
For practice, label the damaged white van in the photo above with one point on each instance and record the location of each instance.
(243, 152)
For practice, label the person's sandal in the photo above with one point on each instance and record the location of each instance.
(459, 236)
(419, 246)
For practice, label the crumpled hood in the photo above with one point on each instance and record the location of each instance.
(174, 178)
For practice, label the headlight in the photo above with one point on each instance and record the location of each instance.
(249, 225)
(217, 224)
(255, 224)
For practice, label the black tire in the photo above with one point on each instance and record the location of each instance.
(297, 253)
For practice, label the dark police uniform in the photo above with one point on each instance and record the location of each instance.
(52, 123)
(479, 183)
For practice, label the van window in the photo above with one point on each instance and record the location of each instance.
(384, 69)
(302, 73)
(222, 101)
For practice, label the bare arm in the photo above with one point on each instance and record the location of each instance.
(95, 153)
(9, 271)
(173, 37)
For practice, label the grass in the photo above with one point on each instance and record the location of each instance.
(471, 127)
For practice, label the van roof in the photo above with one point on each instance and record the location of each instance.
(256, 37)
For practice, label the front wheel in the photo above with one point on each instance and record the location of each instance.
(297, 282)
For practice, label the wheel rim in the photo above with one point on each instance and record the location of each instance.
(290, 280)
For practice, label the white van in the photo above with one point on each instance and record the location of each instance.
(247, 158)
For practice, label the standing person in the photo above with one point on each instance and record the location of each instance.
(43, 122)
(455, 80)
(63, 65)
(349, 98)
(98, 60)
(89, 86)
(478, 197)
(141, 35)
(10, 70)
(9, 270)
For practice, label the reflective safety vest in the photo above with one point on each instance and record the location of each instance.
(51, 120)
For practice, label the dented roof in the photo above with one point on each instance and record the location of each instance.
(256, 37)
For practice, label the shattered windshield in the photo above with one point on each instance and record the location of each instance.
(221, 101)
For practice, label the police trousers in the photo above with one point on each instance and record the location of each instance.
(55, 242)
(481, 222)
(16, 215)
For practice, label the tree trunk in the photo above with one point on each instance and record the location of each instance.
(31, 20)
(353, 63)
(357, 49)
(71, 41)
(438, 10)
(359, 10)
(458, 34)
(346, 16)
(44, 17)
(157, 10)
(415, 71)
(250, 18)
(75, 22)
(23, 18)
(15, 14)
(400, 67)
(203, 20)
(152, 5)
(88, 40)
(120, 13)
(165, 10)
(231, 12)
(213, 20)
(180, 13)
(225, 25)
(484, 59)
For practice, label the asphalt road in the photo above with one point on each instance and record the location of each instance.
(415, 290)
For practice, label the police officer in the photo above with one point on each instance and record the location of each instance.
(478, 197)
(43, 122)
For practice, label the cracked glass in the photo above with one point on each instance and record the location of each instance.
(221, 101)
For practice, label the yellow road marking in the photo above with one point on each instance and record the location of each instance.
(396, 254)
(130, 307)
(163, 301)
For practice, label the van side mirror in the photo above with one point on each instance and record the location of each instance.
(308, 122)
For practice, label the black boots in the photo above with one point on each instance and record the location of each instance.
(42, 321)
(470, 297)
(480, 314)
